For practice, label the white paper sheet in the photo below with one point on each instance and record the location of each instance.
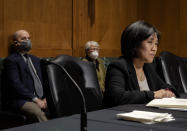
(173, 103)
(146, 117)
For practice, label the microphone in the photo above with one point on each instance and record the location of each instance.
(83, 113)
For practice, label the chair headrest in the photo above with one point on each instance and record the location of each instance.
(74, 65)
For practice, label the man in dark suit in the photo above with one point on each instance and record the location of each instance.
(24, 79)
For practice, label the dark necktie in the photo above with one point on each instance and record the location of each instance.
(37, 83)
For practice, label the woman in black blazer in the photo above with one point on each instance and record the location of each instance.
(131, 79)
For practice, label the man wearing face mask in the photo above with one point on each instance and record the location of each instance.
(24, 79)
(92, 55)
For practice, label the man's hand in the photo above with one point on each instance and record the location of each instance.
(45, 102)
(41, 103)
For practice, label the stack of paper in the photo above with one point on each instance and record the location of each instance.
(146, 117)
(169, 103)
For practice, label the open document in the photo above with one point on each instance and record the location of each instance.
(146, 117)
(169, 103)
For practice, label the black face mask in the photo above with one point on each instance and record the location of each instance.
(25, 46)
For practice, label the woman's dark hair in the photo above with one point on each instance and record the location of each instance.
(133, 35)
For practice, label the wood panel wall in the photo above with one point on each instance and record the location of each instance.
(64, 26)
(48, 21)
(170, 17)
(2, 44)
(102, 21)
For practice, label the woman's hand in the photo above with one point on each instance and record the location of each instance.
(163, 94)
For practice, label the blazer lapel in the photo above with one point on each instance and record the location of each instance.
(132, 74)
(23, 64)
(149, 77)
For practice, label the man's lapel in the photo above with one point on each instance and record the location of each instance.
(22, 63)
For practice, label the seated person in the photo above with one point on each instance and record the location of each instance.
(24, 79)
(131, 79)
(92, 54)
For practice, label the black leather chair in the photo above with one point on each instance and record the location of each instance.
(62, 95)
(174, 71)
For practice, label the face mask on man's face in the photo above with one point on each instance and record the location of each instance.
(94, 55)
(25, 46)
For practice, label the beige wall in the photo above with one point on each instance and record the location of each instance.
(63, 26)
